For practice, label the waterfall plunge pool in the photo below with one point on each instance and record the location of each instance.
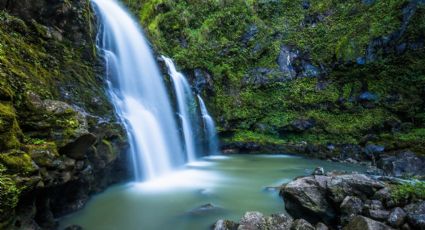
(232, 184)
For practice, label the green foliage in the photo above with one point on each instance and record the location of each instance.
(412, 192)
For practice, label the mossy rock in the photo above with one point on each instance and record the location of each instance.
(18, 162)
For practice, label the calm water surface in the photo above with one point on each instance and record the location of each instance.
(233, 184)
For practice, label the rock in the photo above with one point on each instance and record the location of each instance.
(383, 195)
(249, 34)
(252, 221)
(352, 185)
(306, 198)
(225, 225)
(285, 60)
(364, 223)
(352, 151)
(74, 227)
(279, 222)
(302, 224)
(380, 215)
(301, 125)
(373, 151)
(319, 171)
(203, 209)
(321, 226)
(368, 97)
(416, 215)
(397, 217)
(350, 207)
(405, 163)
(78, 148)
(373, 205)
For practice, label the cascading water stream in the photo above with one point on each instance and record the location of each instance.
(138, 93)
(184, 102)
(210, 130)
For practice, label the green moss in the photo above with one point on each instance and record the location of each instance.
(17, 162)
(410, 192)
(9, 195)
(243, 136)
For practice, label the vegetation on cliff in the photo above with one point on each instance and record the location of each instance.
(352, 68)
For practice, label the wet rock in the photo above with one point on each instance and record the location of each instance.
(397, 217)
(319, 171)
(251, 221)
(405, 163)
(225, 225)
(302, 224)
(416, 215)
(364, 223)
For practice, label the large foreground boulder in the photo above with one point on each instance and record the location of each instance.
(315, 198)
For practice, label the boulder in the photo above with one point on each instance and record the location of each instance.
(397, 217)
(302, 224)
(364, 223)
(307, 198)
(416, 215)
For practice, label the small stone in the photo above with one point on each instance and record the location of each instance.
(225, 225)
(380, 215)
(319, 171)
(397, 217)
(321, 226)
(364, 223)
(302, 224)
(252, 220)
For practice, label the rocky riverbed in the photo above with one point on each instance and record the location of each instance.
(337, 200)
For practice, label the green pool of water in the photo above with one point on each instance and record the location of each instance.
(232, 184)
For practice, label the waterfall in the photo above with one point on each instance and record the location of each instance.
(209, 127)
(138, 93)
(186, 107)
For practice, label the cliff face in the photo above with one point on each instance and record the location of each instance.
(59, 137)
(319, 77)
